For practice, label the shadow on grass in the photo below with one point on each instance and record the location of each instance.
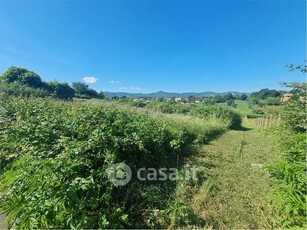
(241, 128)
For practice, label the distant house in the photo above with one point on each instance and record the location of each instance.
(286, 97)
(178, 99)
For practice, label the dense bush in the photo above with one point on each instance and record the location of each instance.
(265, 93)
(229, 116)
(227, 98)
(224, 113)
(19, 89)
(290, 171)
(257, 110)
(169, 107)
(55, 156)
(290, 175)
(60, 90)
(270, 101)
(264, 98)
(82, 90)
(294, 112)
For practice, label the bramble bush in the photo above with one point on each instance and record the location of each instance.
(54, 158)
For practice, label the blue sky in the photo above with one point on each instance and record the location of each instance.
(146, 46)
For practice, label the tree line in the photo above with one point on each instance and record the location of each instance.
(21, 81)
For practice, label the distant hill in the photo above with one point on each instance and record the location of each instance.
(167, 94)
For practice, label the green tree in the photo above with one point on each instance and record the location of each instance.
(302, 68)
(228, 97)
(101, 95)
(217, 99)
(243, 97)
(22, 75)
(91, 93)
(192, 98)
(13, 74)
(80, 87)
(265, 93)
(32, 79)
(61, 90)
(83, 90)
(231, 103)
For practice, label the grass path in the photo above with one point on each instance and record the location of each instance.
(235, 193)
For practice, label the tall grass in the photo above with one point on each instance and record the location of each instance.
(289, 173)
(203, 129)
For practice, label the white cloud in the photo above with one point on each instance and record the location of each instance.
(122, 88)
(90, 79)
(114, 82)
(135, 88)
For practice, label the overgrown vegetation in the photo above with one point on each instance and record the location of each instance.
(55, 156)
(290, 171)
(225, 113)
(18, 89)
(264, 97)
(290, 175)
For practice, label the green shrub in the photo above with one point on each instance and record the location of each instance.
(55, 155)
(270, 101)
(19, 89)
(224, 113)
(290, 171)
(229, 116)
(290, 175)
(295, 115)
(169, 107)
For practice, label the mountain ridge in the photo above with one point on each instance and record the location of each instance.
(169, 94)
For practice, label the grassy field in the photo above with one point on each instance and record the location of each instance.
(242, 107)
